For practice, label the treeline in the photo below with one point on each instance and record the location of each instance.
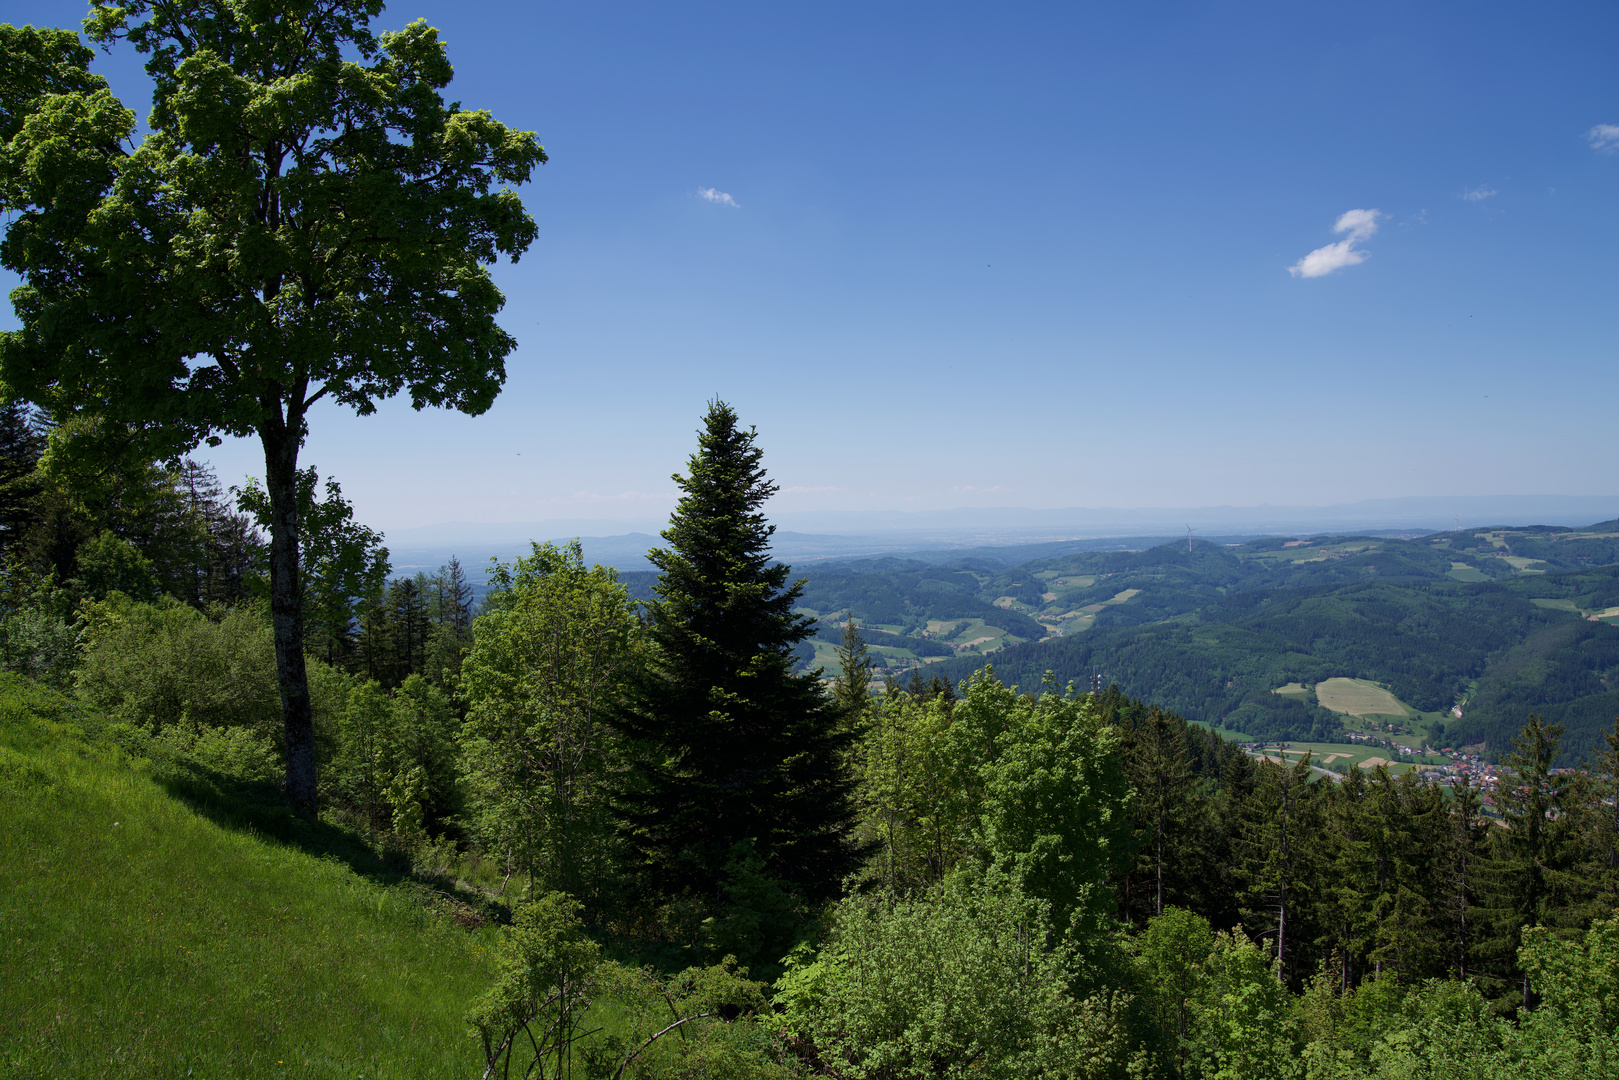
(84, 516)
(78, 506)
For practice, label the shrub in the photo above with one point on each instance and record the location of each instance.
(968, 979)
(165, 664)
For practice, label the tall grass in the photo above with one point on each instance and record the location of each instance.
(141, 938)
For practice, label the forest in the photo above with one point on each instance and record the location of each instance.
(826, 876)
(268, 810)
(1211, 630)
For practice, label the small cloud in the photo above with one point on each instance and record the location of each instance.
(971, 487)
(714, 195)
(1604, 137)
(1360, 225)
(801, 489)
(1479, 194)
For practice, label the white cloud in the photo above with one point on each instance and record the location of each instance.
(1479, 194)
(714, 195)
(1360, 225)
(1604, 137)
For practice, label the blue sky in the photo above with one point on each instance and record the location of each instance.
(1030, 255)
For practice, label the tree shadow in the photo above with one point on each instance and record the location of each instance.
(261, 809)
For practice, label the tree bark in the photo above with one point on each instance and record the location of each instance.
(287, 610)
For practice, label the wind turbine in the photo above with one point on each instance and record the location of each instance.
(1188, 538)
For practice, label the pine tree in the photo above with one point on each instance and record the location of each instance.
(1529, 878)
(21, 443)
(1347, 891)
(738, 746)
(1464, 852)
(1167, 810)
(1603, 822)
(1276, 852)
(852, 688)
(411, 620)
(449, 604)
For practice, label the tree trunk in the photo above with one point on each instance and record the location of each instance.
(287, 612)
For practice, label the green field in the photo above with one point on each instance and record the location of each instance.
(1337, 756)
(144, 938)
(1359, 698)
(1460, 571)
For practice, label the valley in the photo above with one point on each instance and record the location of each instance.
(1449, 637)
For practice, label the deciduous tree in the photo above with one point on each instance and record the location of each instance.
(306, 219)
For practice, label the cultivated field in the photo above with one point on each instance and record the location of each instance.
(1357, 697)
(1336, 755)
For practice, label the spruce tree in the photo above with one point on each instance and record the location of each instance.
(1276, 856)
(739, 746)
(22, 441)
(852, 688)
(1167, 811)
(1531, 878)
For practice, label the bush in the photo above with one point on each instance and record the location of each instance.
(39, 635)
(967, 980)
(553, 981)
(165, 665)
(393, 757)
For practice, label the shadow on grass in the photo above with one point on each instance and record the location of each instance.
(260, 808)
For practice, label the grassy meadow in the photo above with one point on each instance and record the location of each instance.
(1359, 698)
(143, 938)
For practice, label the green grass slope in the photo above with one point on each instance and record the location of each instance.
(140, 937)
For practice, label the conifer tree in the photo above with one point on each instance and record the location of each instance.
(21, 444)
(739, 746)
(1166, 809)
(1463, 854)
(450, 610)
(1276, 853)
(1346, 892)
(852, 688)
(1529, 879)
(1603, 822)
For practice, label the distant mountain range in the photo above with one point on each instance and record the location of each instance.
(813, 536)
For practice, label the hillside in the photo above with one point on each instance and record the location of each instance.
(145, 937)
(1495, 622)
(1496, 650)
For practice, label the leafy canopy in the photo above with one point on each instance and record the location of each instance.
(307, 217)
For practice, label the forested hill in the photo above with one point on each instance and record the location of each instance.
(1497, 622)
(1489, 648)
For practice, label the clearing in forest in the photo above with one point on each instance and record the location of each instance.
(1358, 697)
(1292, 689)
